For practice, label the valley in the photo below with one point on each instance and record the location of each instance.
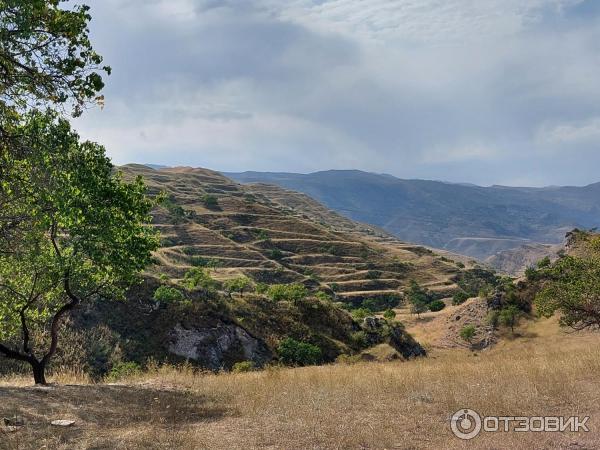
(479, 222)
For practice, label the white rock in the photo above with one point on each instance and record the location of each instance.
(62, 423)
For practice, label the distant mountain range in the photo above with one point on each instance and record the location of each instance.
(462, 218)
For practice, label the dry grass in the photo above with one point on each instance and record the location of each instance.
(377, 405)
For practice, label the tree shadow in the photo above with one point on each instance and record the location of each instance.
(100, 407)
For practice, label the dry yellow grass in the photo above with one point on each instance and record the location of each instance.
(374, 406)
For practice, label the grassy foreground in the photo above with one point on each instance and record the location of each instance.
(376, 405)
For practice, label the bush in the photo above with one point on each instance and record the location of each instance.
(373, 275)
(467, 333)
(389, 314)
(359, 338)
(381, 303)
(460, 265)
(544, 263)
(210, 201)
(238, 284)
(262, 288)
(493, 319)
(168, 294)
(361, 313)
(290, 292)
(243, 366)
(123, 370)
(436, 306)
(460, 297)
(294, 353)
(275, 254)
(199, 278)
(323, 296)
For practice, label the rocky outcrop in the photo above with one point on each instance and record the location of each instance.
(379, 331)
(218, 347)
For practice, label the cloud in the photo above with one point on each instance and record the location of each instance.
(459, 90)
(587, 131)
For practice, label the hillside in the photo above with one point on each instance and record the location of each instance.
(466, 219)
(277, 236)
(219, 231)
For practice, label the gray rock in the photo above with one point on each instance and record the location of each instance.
(218, 347)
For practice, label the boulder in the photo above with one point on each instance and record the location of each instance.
(218, 347)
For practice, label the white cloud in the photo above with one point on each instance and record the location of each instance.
(587, 131)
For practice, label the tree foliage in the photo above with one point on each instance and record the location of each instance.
(70, 230)
(572, 289)
(294, 353)
(46, 57)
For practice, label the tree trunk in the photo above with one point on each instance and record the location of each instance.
(39, 372)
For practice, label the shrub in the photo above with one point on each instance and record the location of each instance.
(168, 294)
(373, 275)
(199, 278)
(493, 319)
(262, 288)
(359, 338)
(460, 265)
(294, 353)
(389, 314)
(243, 366)
(275, 254)
(323, 296)
(467, 333)
(200, 261)
(460, 297)
(544, 263)
(291, 292)
(123, 370)
(436, 306)
(238, 284)
(381, 303)
(361, 313)
(210, 201)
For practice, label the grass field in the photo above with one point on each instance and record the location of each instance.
(362, 406)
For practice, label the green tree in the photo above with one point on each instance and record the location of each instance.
(459, 298)
(436, 305)
(199, 278)
(238, 284)
(573, 289)
(71, 230)
(46, 57)
(418, 298)
(509, 316)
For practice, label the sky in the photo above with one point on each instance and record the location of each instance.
(478, 91)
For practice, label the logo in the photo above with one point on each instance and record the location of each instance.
(466, 424)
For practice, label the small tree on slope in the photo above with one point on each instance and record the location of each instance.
(77, 232)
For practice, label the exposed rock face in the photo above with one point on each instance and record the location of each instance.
(218, 347)
(378, 331)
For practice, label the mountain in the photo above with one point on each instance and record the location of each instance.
(462, 218)
(215, 230)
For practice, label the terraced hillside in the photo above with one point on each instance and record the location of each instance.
(276, 236)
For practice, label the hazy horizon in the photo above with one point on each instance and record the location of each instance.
(225, 172)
